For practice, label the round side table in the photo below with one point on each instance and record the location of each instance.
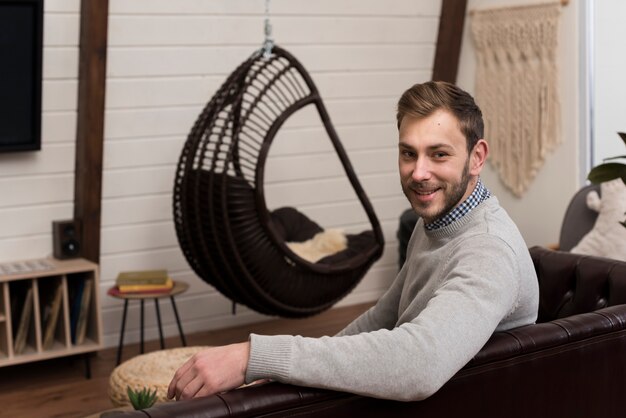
(179, 287)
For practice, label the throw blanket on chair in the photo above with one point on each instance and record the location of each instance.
(323, 244)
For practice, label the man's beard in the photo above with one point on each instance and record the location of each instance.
(452, 194)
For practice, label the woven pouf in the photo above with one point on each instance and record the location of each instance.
(152, 371)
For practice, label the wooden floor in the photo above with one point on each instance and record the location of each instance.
(58, 388)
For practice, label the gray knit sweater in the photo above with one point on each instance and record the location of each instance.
(459, 284)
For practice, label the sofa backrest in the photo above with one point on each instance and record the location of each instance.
(570, 284)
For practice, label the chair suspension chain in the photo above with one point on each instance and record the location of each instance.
(269, 42)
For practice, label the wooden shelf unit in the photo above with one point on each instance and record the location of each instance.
(64, 273)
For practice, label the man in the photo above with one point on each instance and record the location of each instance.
(468, 273)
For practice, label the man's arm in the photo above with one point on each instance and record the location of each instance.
(217, 369)
(414, 360)
(210, 371)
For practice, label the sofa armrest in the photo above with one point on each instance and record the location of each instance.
(250, 401)
(531, 338)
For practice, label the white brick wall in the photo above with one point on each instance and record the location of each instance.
(165, 60)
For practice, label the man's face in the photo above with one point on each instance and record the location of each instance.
(434, 164)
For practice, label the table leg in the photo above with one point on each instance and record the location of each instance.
(158, 314)
(87, 366)
(119, 347)
(141, 327)
(180, 328)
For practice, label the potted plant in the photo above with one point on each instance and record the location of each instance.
(141, 399)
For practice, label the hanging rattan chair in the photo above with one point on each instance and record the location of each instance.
(226, 232)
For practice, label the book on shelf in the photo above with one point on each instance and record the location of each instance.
(17, 294)
(83, 314)
(51, 306)
(24, 323)
(75, 291)
(142, 277)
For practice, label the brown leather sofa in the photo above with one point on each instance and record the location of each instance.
(571, 364)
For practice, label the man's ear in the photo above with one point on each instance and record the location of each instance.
(478, 157)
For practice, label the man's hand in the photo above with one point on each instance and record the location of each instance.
(210, 371)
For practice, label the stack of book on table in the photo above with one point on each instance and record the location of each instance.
(142, 282)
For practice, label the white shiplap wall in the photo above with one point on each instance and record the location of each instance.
(165, 60)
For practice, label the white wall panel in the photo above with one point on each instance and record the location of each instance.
(327, 165)
(36, 190)
(136, 209)
(61, 29)
(305, 140)
(170, 121)
(214, 30)
(25, 247)
(191, 60)
(136, 182)
(146, 236)
(400, 8)
(39, 219)
(59, 95)
(142, 152)
(58, 127)
(60, 62)
(55, 6)
(299, 193)
(131, 93)
(132, 123)
(197, 90)
(389, 83)
(608, 80)
(54, 158)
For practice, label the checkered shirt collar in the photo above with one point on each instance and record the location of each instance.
(479, 195)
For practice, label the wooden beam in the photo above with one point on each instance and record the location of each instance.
(90, 124)
(449, 39)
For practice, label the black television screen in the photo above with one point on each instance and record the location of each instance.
(21, 44)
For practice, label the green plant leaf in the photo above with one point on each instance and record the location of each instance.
(607, 172)
(623, 136)
(141, 399)
(132, 397)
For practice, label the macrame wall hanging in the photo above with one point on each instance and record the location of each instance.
(517, 88)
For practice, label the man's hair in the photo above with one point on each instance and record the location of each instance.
(422, 100)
